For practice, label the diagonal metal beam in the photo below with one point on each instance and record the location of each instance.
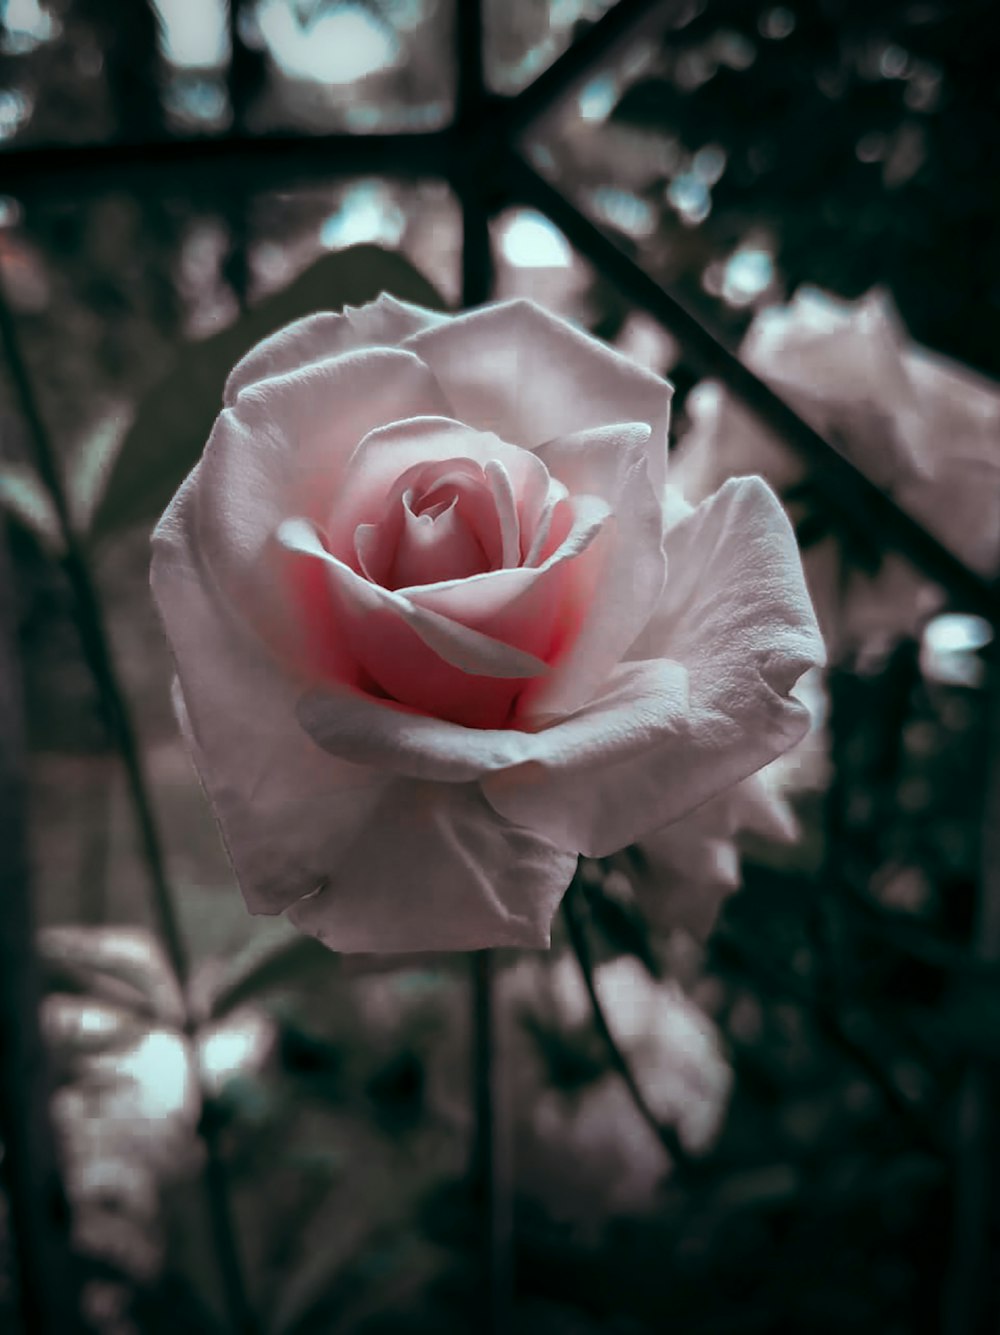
(623, 23)
(852, 497)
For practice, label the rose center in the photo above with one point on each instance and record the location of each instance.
(439, 522)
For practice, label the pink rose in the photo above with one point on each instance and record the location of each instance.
(923, 428)
(435, 637)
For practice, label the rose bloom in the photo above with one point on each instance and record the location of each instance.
(438, 631)
(586, 1151)
(921, 427)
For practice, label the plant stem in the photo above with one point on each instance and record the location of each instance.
(48, 1275)
(972, 1291)
(491, 1175)
(665, 1134)
(96, 645)
(97, 650)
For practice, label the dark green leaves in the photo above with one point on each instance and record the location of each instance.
(173, 422)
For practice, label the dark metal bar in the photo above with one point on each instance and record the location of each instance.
(852, 497)
(478, 140)
(48, 1275)
(490, 1167)
(270, 160)
(465, 152)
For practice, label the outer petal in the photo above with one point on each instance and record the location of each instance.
(514, 369)
(281, 451)
(736, 617)
(611, 463)
(435, 868)
(840, 365)
(639, 698)
(317, 338)
(694, 864)
(285, 807)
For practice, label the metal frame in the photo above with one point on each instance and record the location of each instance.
(481, 155)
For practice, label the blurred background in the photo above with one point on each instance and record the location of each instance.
(180, 177)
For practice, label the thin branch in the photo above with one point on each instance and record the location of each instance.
(97, 649)
(96, 644)
(491, 1168)
(664, 1133)
(48, 1275)
(972, 1293)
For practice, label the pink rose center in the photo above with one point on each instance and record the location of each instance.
(391, 588)
(439, 522)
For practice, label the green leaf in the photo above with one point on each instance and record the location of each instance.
(24, 497)
(811, 529)
(173, 421)
(276, 960)
(572, 1059)
(91, 467)
(123, 965)
(624, 927)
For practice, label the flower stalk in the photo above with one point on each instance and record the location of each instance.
(97, 650)
(666, 1135)
(48, 1275)
(491, 1168)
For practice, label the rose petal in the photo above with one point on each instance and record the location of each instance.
(610, 462)
(486, 883)
(735, 615)
(617, 725)
(416, 656)
(388, 451)
(694, 863)
(514, 369)
(538, 609)
(435, 482)
(280, 451)
(434, 547)
(472, 652)
(285, 807)
(502, 490)
(317, 338)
